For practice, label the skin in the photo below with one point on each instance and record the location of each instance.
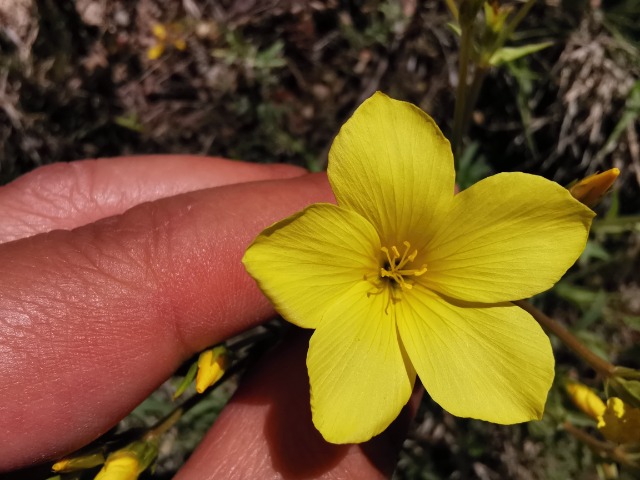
(116, 271)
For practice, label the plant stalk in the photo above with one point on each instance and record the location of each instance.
(461, 90)
(604, 368)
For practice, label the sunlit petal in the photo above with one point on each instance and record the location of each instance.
(493, 363)
(359, 375)
(392, 165)
(508, 237)
(310, 259)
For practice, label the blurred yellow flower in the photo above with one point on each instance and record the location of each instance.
(620, 423)
(403, 277)
(586, 399)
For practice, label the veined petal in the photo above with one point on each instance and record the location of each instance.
(392, 165)
(359, 374)
(492, 363)
(307, 261)
(507, 237)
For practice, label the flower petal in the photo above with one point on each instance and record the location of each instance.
(492, 363)
(359, 374)
(508, 237)
(392, 165)
(307, 261)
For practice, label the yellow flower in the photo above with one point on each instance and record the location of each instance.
(586, 399)
(403, 277)
(620, 423)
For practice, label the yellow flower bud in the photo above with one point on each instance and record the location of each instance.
(82, 462)
(212, 364)
(586, 399)
(180, 44)
(159, 31)
(620, 423)
(591, 189)
(120, 465)
(129, 462)
(155, 52)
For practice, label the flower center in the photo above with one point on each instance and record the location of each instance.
(395, 267)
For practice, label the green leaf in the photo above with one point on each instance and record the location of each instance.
(509, 54)
(626, 390)
(186, 381)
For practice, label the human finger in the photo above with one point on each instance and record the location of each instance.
(68, 195)
(94, 319)
(266, 431)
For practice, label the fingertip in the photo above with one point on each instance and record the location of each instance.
(267, 431)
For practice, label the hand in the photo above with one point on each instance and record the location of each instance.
(139, 269)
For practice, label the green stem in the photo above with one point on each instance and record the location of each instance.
(604, 368)
(603, 449)
(164, 424)
(479, 75)
(453, 8)
(461, 91)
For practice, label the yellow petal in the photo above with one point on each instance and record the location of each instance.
(508, 237)
(392, 165)
(493, 363)
(585, 399)
(307, 261)
(620, 422)
(360, 378)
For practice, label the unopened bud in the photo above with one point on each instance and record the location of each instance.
(586, 399)
(212, 364)
(81, 462)
(129, 462)
(592, 189)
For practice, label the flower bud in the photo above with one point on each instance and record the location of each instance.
(129, 462)
(82, 462)
(586, 399)
(212, 364)
(591, 190)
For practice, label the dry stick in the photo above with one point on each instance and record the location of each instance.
(600, 365)
(604, 449)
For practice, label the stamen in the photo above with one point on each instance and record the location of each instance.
(393, 269)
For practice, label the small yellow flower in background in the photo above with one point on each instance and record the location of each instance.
(591, 189)
(586, 399)
(212, 364)
(165, 35)
(404, 278)
(620, 422)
